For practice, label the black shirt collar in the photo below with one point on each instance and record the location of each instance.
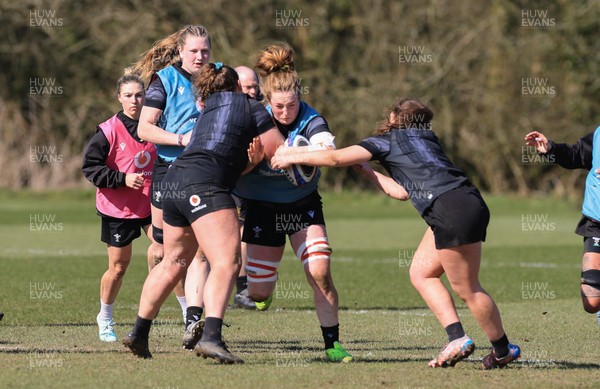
(130, 124)
(182, 71)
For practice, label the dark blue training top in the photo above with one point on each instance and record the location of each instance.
(218, 149)
(415, 160)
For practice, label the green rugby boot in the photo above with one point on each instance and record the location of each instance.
(338, 354)
(264, 305)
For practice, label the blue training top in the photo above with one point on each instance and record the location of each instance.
(591, 197)
(180, 114)
(264, 183)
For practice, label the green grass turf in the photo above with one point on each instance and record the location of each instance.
(531, 265)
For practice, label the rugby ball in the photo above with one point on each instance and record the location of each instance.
(299, 175)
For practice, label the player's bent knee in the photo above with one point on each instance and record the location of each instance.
(314, 249)
(416, 274)
(322, 283)
(157, 234)
(416, 280)
(119, 271)
(319, 274)
(589, 307)
(261, 271)
(258, 296)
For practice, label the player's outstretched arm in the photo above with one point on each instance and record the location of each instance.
(569, 156)
(387, 184)
(348, 156)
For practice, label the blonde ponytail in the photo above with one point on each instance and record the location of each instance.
(165, 52)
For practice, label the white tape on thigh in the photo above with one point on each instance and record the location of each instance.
(261, 271)
(314, 249)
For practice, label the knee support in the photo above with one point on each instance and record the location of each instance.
(157, 234)
(314, 249)
(261, 271)
(591, 278)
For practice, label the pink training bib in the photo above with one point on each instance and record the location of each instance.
(128, 156)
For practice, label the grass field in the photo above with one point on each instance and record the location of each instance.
(52, 261)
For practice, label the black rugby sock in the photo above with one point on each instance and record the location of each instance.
(500, 347)
(455, 331)
(212, 330)
(241, 283)
(192, 315)
(331, 335)
(141, 328)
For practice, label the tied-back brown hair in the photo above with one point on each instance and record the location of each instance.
(408, 113)
(275, 65)
(165, 52)
(128, 76)
(214, 77)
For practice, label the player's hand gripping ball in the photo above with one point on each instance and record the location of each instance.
(299, 175)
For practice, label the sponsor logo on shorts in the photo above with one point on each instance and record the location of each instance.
(596, 241)
(257, 231)
(142, 159)
(195, 202)
(311, 214)
(117, 238)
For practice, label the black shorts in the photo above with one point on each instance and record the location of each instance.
(182, 207)
(241, 206)
(590, 230)
(458, 217)
(267, 224)
(121, 232)
(161, 167)
(587, 227)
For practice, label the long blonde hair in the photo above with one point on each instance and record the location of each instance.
(276, 68)
(165, 52)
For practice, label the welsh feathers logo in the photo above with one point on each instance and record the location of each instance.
(142, 159)
(195, 200)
